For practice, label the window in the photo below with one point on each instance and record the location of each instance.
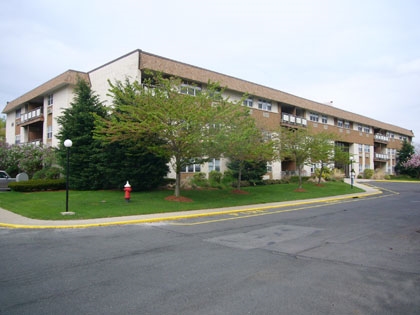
(360, 147)
(248, 102)
(50, 99)
(264, 105)
(49, 132)
(367, 148)
(313, 117)
(193, 168)
(360, 127)
(190, 90)
(366, 129)
(17, 113)
(347, 124)
(324, 119)
(17, 139)
(214, 165)
(340, 123)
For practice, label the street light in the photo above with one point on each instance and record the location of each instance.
(67, 143)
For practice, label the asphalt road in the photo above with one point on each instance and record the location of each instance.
(360, 256)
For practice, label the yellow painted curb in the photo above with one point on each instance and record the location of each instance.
(186, 216)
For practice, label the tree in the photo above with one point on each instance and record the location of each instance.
(403, 155)
(251, 171)
(324, 151)
(186, 125)
(87, 157)
(295, 144)
(413, 164)
(245, 145)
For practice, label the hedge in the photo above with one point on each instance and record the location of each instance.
(38, 185)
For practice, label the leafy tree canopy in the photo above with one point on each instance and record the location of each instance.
(185, 125)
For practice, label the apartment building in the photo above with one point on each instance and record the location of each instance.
(31, 118)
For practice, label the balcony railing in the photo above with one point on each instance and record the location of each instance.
(33, 114)
(381, 157)
(381, 138)
(293, 120)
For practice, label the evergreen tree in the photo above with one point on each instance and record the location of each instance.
(87, 156)
(251, 171)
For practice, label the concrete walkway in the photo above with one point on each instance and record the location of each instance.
(12, 220)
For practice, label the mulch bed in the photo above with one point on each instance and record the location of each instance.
(240, 192)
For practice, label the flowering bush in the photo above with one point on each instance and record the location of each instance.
(25, 158)
(413, 163)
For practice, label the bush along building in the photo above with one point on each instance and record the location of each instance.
(32, 117)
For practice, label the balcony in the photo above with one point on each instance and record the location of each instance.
(381, 138)
(291, 120)
(381, 157)
(32, 116)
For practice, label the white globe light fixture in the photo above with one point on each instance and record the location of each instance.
(68, 143)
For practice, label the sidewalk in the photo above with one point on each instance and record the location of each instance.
(11, 220)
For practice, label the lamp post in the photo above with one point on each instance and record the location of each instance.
(351, 172)
(67, 143)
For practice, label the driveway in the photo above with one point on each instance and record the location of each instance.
(357, 256)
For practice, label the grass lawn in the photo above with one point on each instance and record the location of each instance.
(101, 204)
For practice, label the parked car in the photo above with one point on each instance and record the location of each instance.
(5, 179)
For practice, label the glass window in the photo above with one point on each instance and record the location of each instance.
(366, 129)
(50, 99)
(190, 90)
(347, 124)
(324, 119)
(264, 105)
(340, 123)
(49, 132)
(193, 168)
(248, 102)
(314, 117)
(18, 111)
(214, 165)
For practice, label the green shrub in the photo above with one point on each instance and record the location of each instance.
(227, 178)
(38, 185)
(48, 173)
(368, 173)
(199, 180)
(326, 173)
(215, 177)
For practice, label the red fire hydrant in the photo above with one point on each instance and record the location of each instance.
(127, 189)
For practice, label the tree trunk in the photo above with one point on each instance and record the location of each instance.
(178, 184)
(320, 173)
(300, 177)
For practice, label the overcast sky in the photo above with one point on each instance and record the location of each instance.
(364, 55)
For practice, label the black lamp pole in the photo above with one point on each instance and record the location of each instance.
(67, 143)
